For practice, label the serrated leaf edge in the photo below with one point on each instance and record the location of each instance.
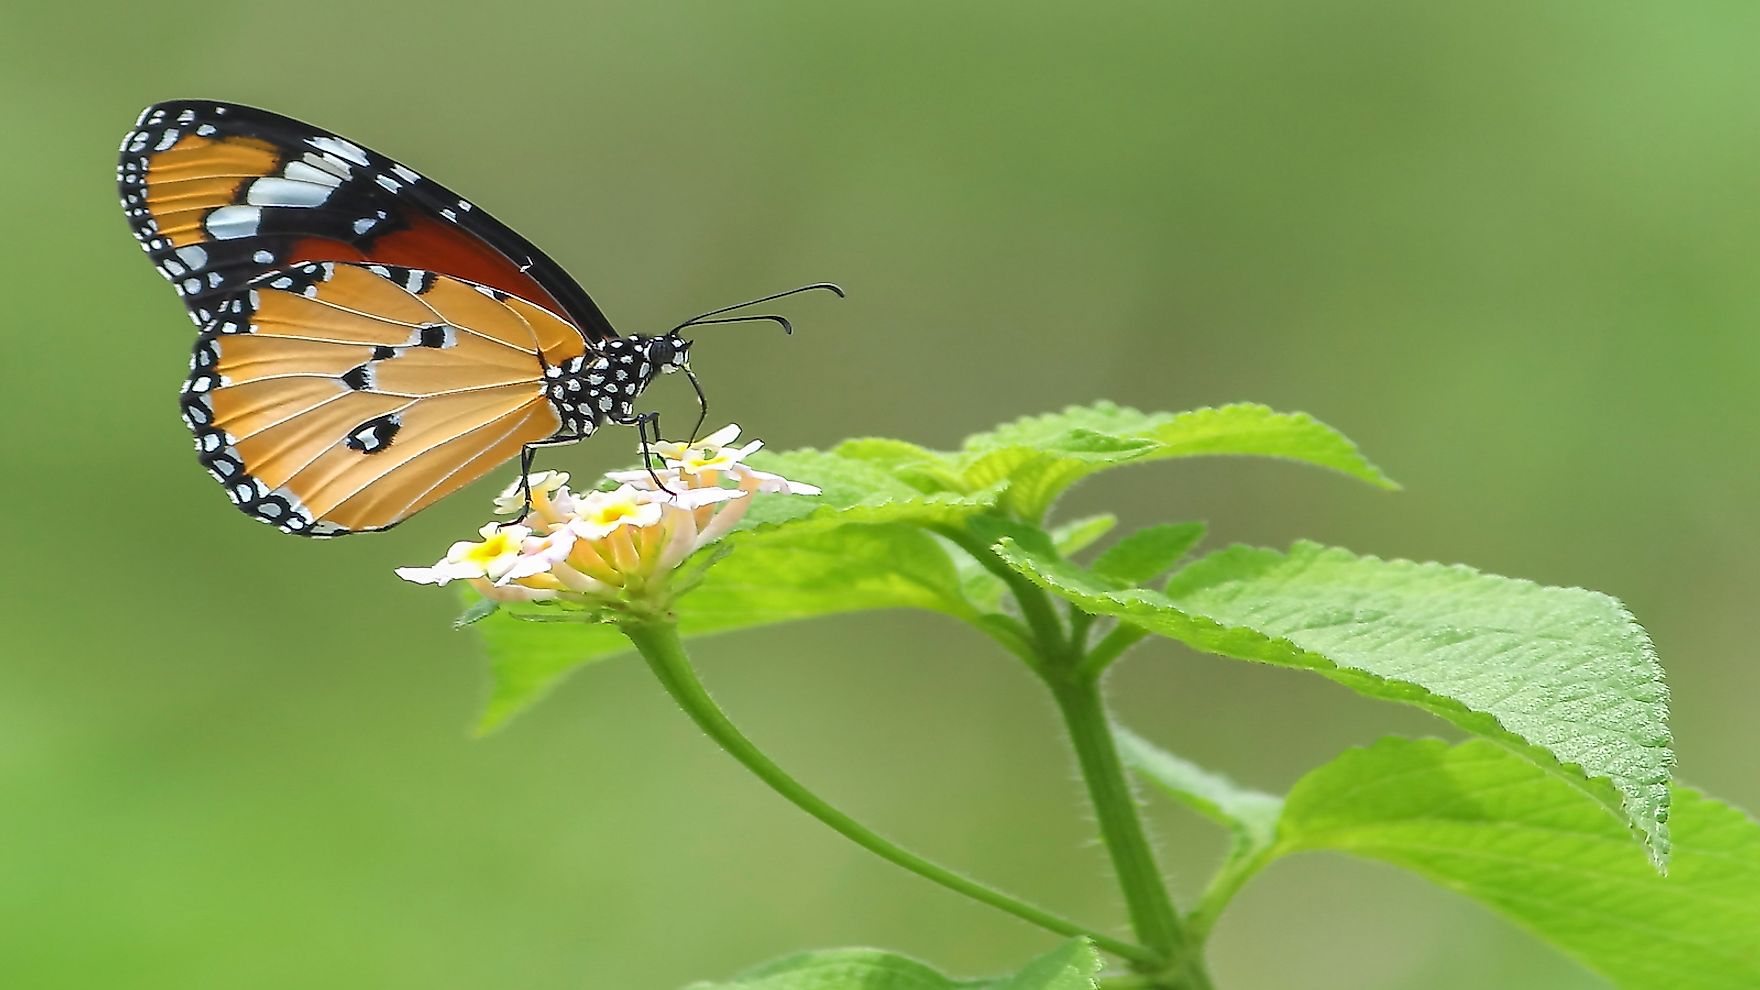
(1654, 840)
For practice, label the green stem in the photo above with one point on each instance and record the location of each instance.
(1110, 648)
(1035, 604)
(657, 641)
(1153, 918)
(1241, 866)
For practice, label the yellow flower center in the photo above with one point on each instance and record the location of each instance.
(700, 458)
(486, 552)
(611, 513)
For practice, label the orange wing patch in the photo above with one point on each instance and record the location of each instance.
(278, 453)
(348, 397)
(199, 174)
(442, 439)
(250, 408)
(444, 469)
(256, 356)
(356, 289)
(466, 307)
(557, 339)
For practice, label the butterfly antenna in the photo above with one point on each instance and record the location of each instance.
(787, 327)
(703, 317)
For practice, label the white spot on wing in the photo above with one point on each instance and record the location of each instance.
(329, 163)
(302, 171)
(346, 150)
(194, 256)
(229, 222)
(276, 191)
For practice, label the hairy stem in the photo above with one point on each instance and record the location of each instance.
(1034, 603)
(1072, 672)
(1153, 917)
(657, 640)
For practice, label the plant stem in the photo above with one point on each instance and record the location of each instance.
(1072, 672)
(1110, 648)
(657, 640)
(1228, 881)
(1090, 731)
(1034, 604)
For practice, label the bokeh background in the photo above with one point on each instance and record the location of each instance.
(1509, 247)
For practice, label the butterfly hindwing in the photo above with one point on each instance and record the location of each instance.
(334, 397)
(219, 194)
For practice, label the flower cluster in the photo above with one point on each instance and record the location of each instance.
(600, 548)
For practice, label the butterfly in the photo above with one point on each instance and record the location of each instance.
(369, 341)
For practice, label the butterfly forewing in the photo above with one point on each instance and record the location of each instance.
(219, 194)
(332, 398)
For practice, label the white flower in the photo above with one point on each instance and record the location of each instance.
(669, 477)
(547, 486)
(496, 557)
(712, 453)
(611, 548)
(674, 450)
(598, 514)
(764, 481)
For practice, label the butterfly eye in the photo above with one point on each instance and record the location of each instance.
(660, 351)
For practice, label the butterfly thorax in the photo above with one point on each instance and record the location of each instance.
(602, 386)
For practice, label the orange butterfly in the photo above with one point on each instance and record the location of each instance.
(370, 342)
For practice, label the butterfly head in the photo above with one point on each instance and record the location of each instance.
(668, 352)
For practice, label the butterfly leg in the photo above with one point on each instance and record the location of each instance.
(644, 423)
(526, 455)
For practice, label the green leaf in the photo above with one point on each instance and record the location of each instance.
(784, 573)
(985, 590)
(1251, 815)
(982, 588)
(1479, 820)
(1565, 675)
(1078, 534)
(848, 486)
(1071, 966)
(527, 658)
(474, 612)
(855, 546)
(1038, 458)
(1148, 553)
(926, 470)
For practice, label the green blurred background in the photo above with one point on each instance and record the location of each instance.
(1509, 247)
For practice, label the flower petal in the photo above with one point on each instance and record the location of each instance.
(764, 481)
(720, 438)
